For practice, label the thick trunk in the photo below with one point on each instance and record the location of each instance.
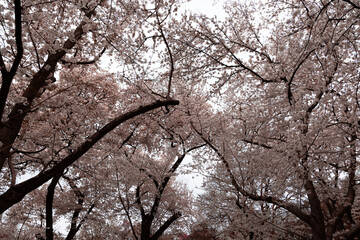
(318, 231)
(317, 222)
(145, 228)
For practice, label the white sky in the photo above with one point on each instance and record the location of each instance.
(208, 7)
(193, 180)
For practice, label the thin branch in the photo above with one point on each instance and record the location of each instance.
(85, 217)
(126, 209)
(35, 48)
(2, 66)
(352, 4)
(278, 202)
(85, 62)
(289, 93)
(258, 144)
(166, 180)
(170, 55)
(138, 201)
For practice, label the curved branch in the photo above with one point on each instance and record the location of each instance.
(289, 93)
(165, 226)
(278, 202)
(166, 180)
(17, 192)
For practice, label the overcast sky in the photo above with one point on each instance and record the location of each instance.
(208, 7)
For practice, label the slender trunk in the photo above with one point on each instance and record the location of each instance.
(49, 207)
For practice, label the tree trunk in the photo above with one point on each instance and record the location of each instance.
(318, 231)
(145, 228)
(49, 207)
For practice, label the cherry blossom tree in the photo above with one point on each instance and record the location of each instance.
(151, 203)
(272, 91)
(128, 186)
(55, 102)
(286, 125)
(141, 198)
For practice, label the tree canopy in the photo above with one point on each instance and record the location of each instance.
(101, 101)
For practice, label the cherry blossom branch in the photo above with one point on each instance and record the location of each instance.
(74, 228)
(258, 144)
(2, 67)
(289, 93)
(12, 171)
(165, 226)
(238, 62)
(252, 49)
(278, 202)
(35, 48)
(7, 77)
(352, 4)
(138, 200)
(148, 218)
(17, 192)
(9, 130)
(85, 62)
(244, 208)
(317, 220)
(166, 180)
(126, 208)
(152, 177)
(71, 234)
(169, 52)
(350, 195)
(18, 39)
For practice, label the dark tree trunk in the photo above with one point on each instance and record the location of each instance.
(49, 207)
